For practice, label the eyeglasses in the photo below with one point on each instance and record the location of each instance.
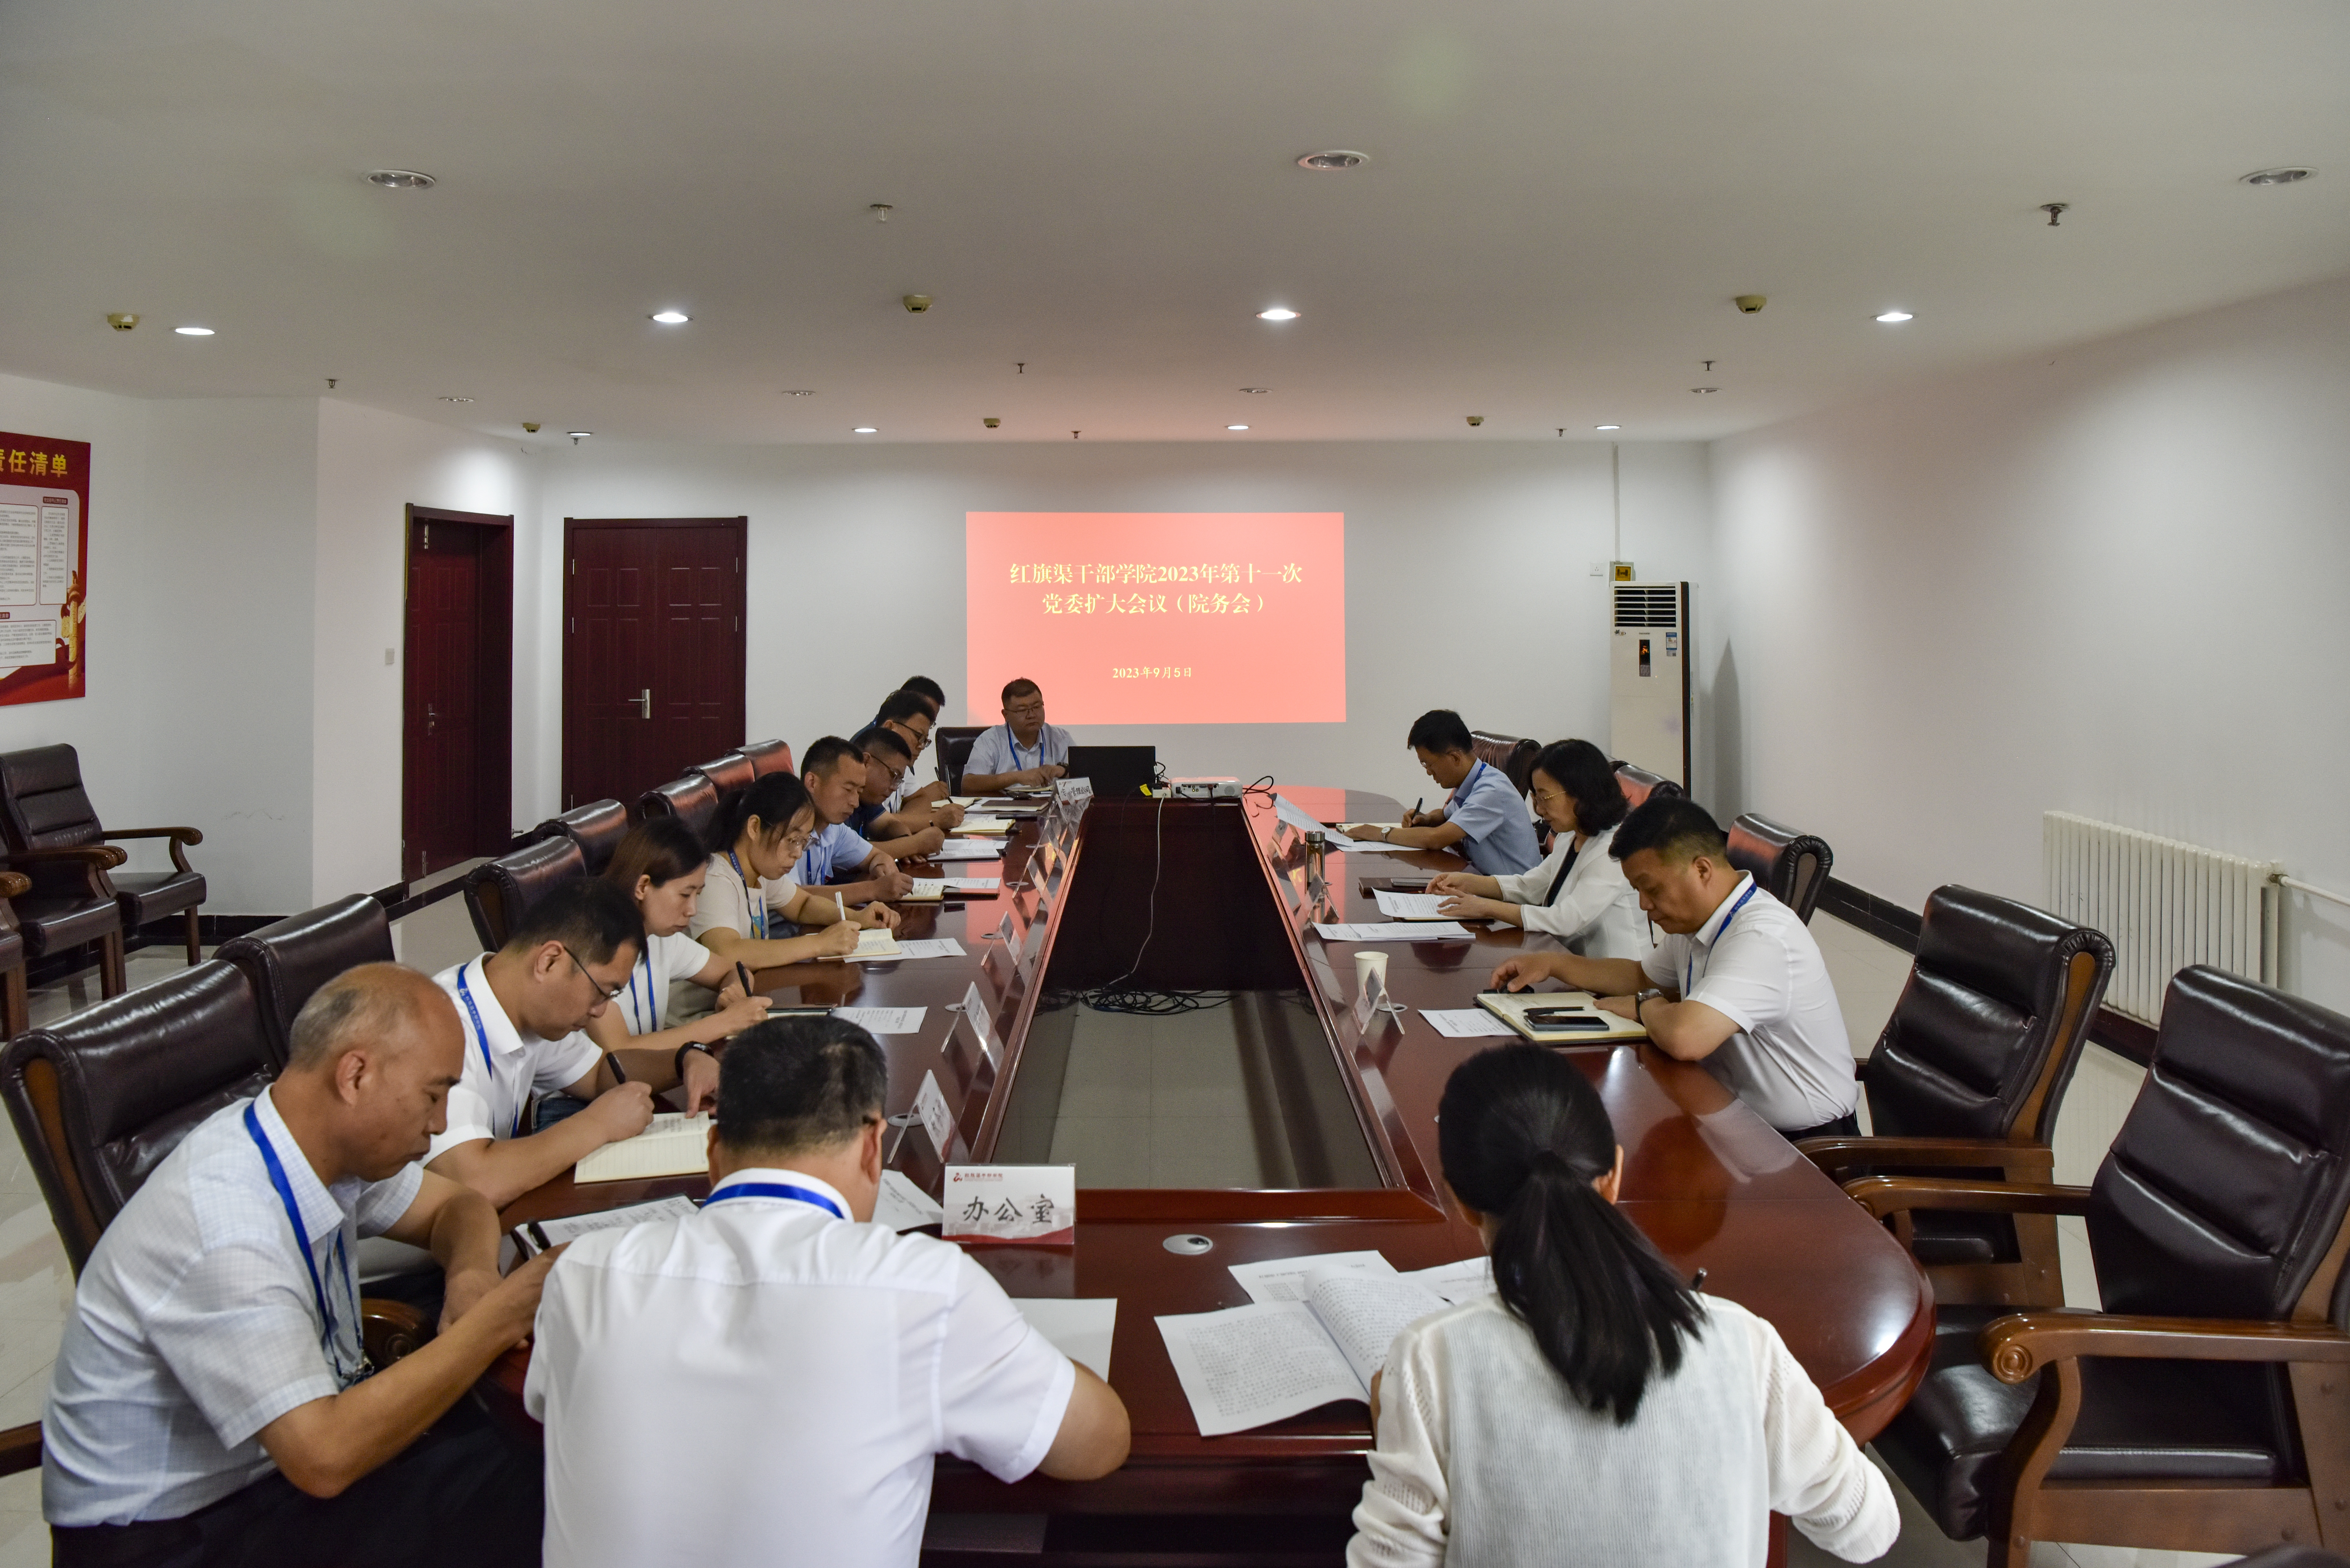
(917, 739)
(612, 994)
(897, 774)
(1023, 709)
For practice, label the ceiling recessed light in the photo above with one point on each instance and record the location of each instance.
(1703, 389)
(1236, 427)
(1278, 313)
(865, 429)
(1335, 159)
(578, 436)
(1607, 427)
(1256, 392)
(449, 400)
(800, 391)
(2277, 176)
(400, 179)
(193, 331)
(1894, 318)
(671, 318)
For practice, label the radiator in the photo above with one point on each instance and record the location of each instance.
(2163, 904)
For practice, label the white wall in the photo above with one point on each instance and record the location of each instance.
(2114, 580)
(1467, 575)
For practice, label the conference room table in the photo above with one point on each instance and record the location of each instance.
(1217, 894)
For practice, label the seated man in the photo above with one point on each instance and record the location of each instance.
(835, 773)
(1484, 819)
(1737, 984)
(524, 1007)
(769, 1380)
(892, 833)
(1023, 749)
(206, 1406)
(910, 715)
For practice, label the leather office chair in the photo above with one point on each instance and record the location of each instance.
(1967, 1077)
(731, 773)
(2203, 1408)
(287, 959)
(16, 1002)
(1792, 867)
(1640, 784)
(597, 827)
(498, 891)
(693, 800)
(45, 807)
(1514, 756)
(767, 757)
(954, 742)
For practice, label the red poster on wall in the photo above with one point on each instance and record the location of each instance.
(44, 567)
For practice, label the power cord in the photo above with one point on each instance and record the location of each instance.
(1117, 996)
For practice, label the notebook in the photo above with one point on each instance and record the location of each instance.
(1602, 1028)
(674, 1145)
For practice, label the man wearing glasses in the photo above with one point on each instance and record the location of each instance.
(910, 716)
(523, 1008)
(891, 831)
(1023, 749)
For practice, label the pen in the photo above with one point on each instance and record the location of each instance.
(1699, 1283)
(1417, 804)
(619, 1075)
(841, 903)
(742, 971)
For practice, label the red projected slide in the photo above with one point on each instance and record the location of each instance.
(1160, 618)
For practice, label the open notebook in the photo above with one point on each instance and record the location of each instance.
(674, 1145)
(1559, 1017)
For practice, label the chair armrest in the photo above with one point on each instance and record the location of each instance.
(390, 1329)
(2015, 1347)
(86, 864)
(179, 837)
(1887, 1195)
(20, 1448)
(15, 884)
(1834, 1153)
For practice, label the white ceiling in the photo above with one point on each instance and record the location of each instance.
(1564, 197)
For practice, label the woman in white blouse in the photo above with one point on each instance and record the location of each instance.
(1595, 1409)
(749, 896)
(1578, 895)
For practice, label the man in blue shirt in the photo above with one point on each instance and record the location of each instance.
(1485, 818)
(833, 771)
(1023, 749)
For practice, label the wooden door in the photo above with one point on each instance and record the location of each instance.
(457, 690)
(652, 651)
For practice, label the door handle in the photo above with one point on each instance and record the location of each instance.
(430, 718)
(645, 704)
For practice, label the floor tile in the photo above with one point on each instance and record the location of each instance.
(1868, 975)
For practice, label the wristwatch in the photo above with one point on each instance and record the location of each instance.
(1640, 999)
(677, 1066)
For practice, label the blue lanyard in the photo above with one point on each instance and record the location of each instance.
(302, 1239)
(1688, 971)
(759, 910)
(1014, 741)
(482, 1037)
(641, 1014)
(774, 1189)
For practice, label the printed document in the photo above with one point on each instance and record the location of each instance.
(1396, 932)
(1408, 906)
(1248, 1366)
(1080, 1329)
(1283, 1279)
(966, 849)
(884, 1020)
(1467, 1024)
(902, 1206)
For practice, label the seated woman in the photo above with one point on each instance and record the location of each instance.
(1594, 1398)
(749, 895)
(663, 867)
(1579, 894)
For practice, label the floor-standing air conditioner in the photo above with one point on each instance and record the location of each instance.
(1648, 681)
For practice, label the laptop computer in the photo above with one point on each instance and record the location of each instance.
(1114, 769)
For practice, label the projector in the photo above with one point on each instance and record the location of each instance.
(1231, 790)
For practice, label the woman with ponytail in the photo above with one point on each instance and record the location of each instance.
(1595, 1409)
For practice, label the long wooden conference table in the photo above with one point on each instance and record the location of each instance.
(1220, 890)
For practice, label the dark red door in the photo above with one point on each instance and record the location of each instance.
(652, 651)
(456, 691)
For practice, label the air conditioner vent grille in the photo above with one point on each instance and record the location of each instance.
(1655, 606)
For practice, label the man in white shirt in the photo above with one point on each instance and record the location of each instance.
(769, 1380)
(1023, 749)
(910, 716)
(524, 1009)
(833, 771)
(1483, 817)
(1737, 984)
(206, 1406)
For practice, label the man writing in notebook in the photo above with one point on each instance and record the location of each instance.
(1023, 749)
(524, 1009)
(769, 1380)
(833, 771)
(910, 716)
(1484, 817)
(893, 833)
(1737, 984)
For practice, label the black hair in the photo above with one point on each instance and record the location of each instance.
(1439, 729)
(887, 739)
(1583, 772)
(792, 1086)
(826, 755)
(1014, 688)
(927, 687)
(589, 914)
(1522, 1135)
(774, 800)
(901, 705)
(661, 847)
(1675, 827)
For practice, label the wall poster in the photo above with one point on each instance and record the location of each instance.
(44, 567)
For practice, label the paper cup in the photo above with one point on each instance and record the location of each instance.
(1371, 969)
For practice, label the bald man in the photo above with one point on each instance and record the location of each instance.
(207, 1405)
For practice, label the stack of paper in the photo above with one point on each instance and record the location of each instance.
(674, 1144)
(1409, 906)
(884, 1020)
(1397, 931)
(967, 849)
(902, 1206)
(1467, 1024)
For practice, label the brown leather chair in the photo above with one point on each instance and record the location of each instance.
(1514, 756)
(731, 773)
(1967, 1077)
(498, 891)
(45, 807)
(1792, 867)
(954, 743)
(16, 1002)
(693, 800)
(1640, 784)
(287, 959)
(597, 827)
(767, 757)
(2203, 1408)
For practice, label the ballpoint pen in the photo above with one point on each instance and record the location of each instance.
(841, 903)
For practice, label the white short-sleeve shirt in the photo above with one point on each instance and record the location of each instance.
(504, 1066)
(725, 903)
(998, 750)
(767, 1381)
(197, 1323)
(662, 961)
(1756, 964)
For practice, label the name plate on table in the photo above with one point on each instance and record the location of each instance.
(1074, 791)
(1367, 1002)
(938, 1118)
(974, 1013)
(1035, 1204)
